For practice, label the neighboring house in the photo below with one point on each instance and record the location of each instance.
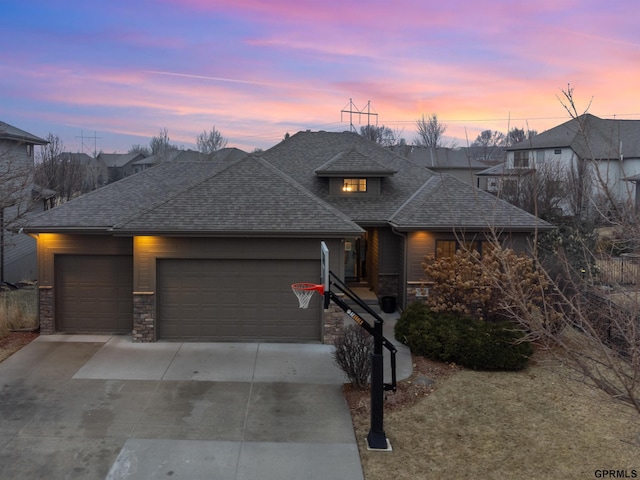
(224, 154)
(119, 165)
(18, 195)
(462, 163)
(598, 154)
(201, 250)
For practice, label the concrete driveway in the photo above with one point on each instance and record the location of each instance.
(95, 407)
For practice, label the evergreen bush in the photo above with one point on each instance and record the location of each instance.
(463, 340)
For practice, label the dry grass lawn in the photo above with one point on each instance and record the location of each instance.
(18, 310)
(540, 423)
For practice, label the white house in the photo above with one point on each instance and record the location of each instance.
(595, 155)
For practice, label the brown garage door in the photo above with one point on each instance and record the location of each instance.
(94, 293)
(235, 300)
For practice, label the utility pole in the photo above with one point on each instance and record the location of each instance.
(95, 145)
(352, 110)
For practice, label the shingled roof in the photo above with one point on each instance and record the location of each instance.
(251, 197)
(352, 162)
(444, 202)
(305, 152)
(246, 196)
(414, 197)
(9, 132)
(279, 193)
(590, 137)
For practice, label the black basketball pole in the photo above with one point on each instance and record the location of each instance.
(377, 438)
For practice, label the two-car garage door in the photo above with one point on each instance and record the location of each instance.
(235, 300)
(197, 300)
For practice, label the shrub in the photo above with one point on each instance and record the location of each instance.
(467, 284)
(353, 355)
(466, 341)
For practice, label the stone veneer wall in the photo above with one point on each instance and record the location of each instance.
(387, 285)
(144, 317)
(332, 324)
(46, 312)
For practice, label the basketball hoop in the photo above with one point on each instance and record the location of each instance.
(304, 292)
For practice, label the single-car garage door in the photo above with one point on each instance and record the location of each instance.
(236, 300)
(94, 293)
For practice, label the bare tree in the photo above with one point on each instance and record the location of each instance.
(382, 135)
(16, 177)
(59, 171)
(161, 144)
(430, 132)
(595, 337)
(488, 144)
(140, 149)
(587, 311)
(16, 186)
(542, 191)
(210, 142)
(517, 135)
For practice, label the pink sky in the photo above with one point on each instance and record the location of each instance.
(256, 70)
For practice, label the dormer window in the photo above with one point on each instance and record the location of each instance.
(354, 185)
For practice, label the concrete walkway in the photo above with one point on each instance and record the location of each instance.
(96, 407)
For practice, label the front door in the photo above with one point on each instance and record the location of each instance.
(353, 256)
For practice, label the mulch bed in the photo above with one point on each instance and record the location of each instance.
(427, 374)
(13, 342)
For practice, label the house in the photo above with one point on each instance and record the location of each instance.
(18, 195)
(223, 154)
(591, 156)
(462, 163)
(201, 250)
(119, 165)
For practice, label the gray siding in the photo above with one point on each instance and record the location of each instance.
(148, 249)
(423, 244)
(50, 245)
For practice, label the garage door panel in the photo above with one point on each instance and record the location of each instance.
(94, 293)
(235, 300)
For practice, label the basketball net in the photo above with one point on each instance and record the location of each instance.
(304, 292)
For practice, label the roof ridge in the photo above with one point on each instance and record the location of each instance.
(415, 194)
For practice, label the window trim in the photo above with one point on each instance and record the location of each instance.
(359, 182)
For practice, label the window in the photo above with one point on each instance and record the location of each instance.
(540, 156)
(354, 185)
(521, 159)
(29, 150)
(557, 151)
(448, 248)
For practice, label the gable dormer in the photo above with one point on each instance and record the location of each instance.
(352, 173)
